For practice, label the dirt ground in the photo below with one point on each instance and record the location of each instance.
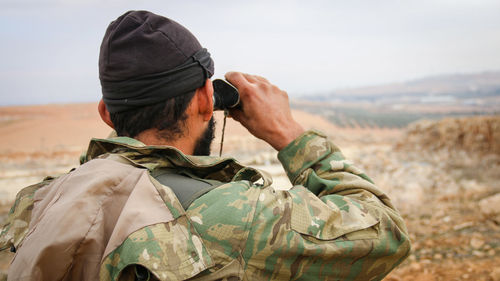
(446, 196)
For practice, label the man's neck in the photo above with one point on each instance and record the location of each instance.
(151, 137)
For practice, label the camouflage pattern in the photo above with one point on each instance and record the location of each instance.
(17, 224)
(334, 224)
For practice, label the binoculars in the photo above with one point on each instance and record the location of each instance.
(226, 96)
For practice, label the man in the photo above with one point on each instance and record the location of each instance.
(142, 206)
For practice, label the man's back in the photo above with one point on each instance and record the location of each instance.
(83, 215)
(240, 229)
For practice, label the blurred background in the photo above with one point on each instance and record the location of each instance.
(410, 91)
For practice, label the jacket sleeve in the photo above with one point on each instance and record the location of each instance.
(334, 224)
(16, 225)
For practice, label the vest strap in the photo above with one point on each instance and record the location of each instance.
(186, 186)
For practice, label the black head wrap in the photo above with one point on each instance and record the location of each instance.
(146, 58)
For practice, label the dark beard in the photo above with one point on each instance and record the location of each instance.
(202, 146)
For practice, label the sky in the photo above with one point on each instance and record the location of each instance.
(49, 48)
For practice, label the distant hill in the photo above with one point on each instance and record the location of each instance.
(398, 104)
(454, 85)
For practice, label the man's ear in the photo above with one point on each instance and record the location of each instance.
(103, 111)
(205, 95)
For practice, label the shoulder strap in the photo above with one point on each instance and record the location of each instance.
(186, 187)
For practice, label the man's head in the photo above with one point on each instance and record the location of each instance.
(155, 80)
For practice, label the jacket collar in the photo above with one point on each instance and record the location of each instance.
(153, 157)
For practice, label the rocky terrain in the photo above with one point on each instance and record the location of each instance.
(442, 175)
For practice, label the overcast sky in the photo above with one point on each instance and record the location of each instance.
(49, 48)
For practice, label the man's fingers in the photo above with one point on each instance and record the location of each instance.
(239, 78)
(261, 79)
(251, 78)
(242, 83)
(236, 78)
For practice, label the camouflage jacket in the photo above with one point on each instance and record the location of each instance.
(334, 224)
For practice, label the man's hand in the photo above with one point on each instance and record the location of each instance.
(265, 110)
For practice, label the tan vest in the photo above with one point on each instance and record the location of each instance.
(83, 216)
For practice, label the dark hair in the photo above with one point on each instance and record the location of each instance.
(167, 116)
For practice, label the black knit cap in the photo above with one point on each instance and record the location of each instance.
(146, 58)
